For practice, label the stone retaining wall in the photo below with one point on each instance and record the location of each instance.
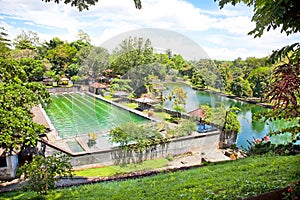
(202, 143)
(64, 89)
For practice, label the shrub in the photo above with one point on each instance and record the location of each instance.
(170, 157)
(42, 172)
(133, 137)
(263, 145)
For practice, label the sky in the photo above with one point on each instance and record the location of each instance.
(222, 34)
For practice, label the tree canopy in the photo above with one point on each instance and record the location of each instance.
(131, 53)
(85, 4)
(17, 97)
(283, 90)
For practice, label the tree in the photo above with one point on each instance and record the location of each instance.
(226, 76)
(252, 63)
(130, 54)
(84, 37)
(240, 87)
(75, 78)
(55, 42)
(227, 120)
(178, 96)
(259, 79)
(34, 68)
(95, 62)
(178, 62)
(72, 70)
(17, 97)
(198, 80)
(29, 40)
(60, 54)
(284, 89)
(42, 172)
(4, 42)
(120, 85)
(269, 14)
(186, 127)
(85, 4)
(162, 59)
(133, 137)
(83, 42)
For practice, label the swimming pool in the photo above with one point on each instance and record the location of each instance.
(76, 114)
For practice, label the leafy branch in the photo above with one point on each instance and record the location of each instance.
(85, 4)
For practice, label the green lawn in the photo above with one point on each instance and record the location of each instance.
(230, 180)
(159, 115)
(109, 97)
(119, 169)
(131, 105)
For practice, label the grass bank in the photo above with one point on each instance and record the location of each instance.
(230, 180)
(121, 169)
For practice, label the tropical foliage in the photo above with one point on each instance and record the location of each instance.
(17, 97)
(283, 90)
(132, 137)
(43, 172)
(85, 4)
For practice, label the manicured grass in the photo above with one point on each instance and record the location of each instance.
(131, 105)
(119, 169)
(109, 97)
(230, 180)
(160, 115)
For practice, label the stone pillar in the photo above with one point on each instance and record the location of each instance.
(9, 172)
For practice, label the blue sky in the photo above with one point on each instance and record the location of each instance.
(221, 33)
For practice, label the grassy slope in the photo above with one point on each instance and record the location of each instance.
(230, 180)
(119, 169)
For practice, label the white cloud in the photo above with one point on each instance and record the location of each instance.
(224, 32)
(239, 25)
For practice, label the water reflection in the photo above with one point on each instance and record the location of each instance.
(250, 128)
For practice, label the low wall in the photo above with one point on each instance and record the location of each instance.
(203, 143)
(64, 89)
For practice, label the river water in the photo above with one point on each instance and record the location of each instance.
(250, 129)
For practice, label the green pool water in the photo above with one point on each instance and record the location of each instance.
(78, 114)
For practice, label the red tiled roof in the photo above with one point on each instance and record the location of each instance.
(98, 85)
(198, 113)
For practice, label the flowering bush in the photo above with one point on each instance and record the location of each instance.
(292, 192)
(263, 145)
